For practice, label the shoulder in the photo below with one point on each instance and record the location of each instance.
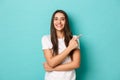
(46, 37)
(74, 35)
(78, 38)
(46, 42)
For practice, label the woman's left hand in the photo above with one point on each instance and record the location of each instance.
(47, 67)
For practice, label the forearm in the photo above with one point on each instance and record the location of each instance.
(66, 67)
(58, 59)
(63, 67)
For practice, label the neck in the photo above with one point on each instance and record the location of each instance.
(60, 34)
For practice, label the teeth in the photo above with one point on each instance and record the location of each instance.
(59, 25)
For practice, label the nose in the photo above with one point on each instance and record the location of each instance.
(59, 21)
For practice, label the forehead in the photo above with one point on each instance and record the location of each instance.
(58, 14)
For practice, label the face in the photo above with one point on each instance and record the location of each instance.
(59, 21)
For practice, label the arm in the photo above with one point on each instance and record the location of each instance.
(68, 66)
(56, 60)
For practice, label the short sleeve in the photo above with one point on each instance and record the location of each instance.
(46, 42)
(78, 44)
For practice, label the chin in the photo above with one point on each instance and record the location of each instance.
(59, 29)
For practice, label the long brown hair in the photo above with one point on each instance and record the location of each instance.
(66, 30)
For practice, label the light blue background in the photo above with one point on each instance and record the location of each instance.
(24, 22)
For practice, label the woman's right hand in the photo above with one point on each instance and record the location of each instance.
(73, 43)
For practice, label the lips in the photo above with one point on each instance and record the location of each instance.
(59, 25)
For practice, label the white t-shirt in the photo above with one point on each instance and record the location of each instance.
(58, 75)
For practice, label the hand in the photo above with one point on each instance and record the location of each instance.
(47, 67)
(73, 43)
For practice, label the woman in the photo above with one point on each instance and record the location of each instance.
(61, 49)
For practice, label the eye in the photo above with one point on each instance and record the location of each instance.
(63, 19)
(55, 18)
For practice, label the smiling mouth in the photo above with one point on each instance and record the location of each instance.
(59, 25)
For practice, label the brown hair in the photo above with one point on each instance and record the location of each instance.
(67, 32)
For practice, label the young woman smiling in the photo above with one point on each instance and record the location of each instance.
(61, 49)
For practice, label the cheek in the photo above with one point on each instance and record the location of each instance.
(63, 22)
(54, 22)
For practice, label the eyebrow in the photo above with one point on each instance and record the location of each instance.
(60, 17)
